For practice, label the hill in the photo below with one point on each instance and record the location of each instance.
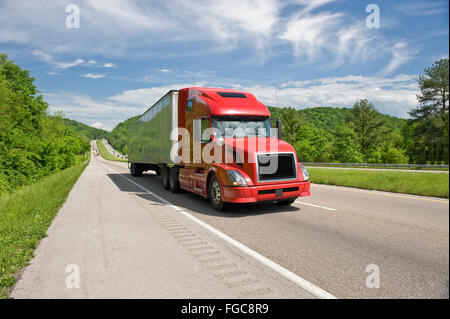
(118, 136)
(316, 134)
(86, 131)
(330, 118)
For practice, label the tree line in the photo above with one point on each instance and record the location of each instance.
(33, 144)
(363, 135)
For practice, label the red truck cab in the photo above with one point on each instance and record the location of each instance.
(246, 178)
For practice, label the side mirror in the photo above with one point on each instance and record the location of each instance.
(278, 126)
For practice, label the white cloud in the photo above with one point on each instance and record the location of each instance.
(401, 54)
(57, 64)
(137, 28)
(100, 125)
(423, 8)
(394, 96)
(109, 65)
(93, 76)
(310, 34)
(66, 65)
(97, 125)
(146, 97)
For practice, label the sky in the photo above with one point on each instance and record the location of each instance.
(121, 56)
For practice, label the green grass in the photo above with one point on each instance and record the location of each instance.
(106, 154)
(417, 183)
(25, 216)
(380, 167)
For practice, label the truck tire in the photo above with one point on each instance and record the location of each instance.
(286, 202)
(135, 170)
(174, 180)
(165, 177)
(215, 195)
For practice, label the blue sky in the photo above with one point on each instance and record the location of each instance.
(128, 53)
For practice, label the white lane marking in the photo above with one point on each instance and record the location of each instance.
(302, 283)
(381, 193)
(317, 206)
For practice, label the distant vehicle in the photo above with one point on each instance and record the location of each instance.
(238, 127)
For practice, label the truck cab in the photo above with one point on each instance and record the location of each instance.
(242, 159)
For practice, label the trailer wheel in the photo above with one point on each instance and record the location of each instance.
(174, 180)
(135, 170)
(165, 177)
(215, 194)
(286, 202)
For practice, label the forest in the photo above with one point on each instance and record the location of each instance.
(33, 144)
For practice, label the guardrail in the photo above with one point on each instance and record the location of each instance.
(376, 165)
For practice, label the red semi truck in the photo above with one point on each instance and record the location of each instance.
(218, 143)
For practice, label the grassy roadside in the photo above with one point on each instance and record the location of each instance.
(106, 154)
(378, 167)
(25, 216)
(417, 183)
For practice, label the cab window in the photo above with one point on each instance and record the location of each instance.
(189, 106)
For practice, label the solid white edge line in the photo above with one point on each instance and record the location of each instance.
(317, 206)
(302, 283)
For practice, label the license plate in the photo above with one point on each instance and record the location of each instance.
(279, 192)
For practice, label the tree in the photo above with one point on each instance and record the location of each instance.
(345, 150)
(367, 124)
(32, 144)
(291, 125)
(430, 120)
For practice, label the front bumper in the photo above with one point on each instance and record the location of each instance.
(250, 194)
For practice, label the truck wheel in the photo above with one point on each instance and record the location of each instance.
(286, 202)
(134, 170)
(215, 194)
(174, 181)
(165, 177)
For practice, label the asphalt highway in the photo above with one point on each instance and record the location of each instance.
(339, 238)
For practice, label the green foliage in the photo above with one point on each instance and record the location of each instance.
(428, 128)
(87, 132)
(24, 218)
(107, 155)
(418, 183)
(356, 135)
(118, 136)
(345, 149)
(365, 121)
(32, 144)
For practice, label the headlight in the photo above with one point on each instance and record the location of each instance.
(236, 178)
(305, 173)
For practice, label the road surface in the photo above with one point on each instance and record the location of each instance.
(129, 249)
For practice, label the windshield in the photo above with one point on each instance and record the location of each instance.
(241, 126)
